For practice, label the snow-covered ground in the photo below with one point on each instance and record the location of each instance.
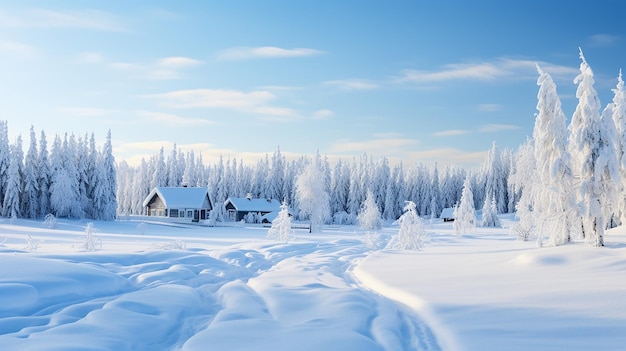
(160, 287)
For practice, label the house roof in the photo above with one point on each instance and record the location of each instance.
(243, 204)
(447, 213)
(179, 197)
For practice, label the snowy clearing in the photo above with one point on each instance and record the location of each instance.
(176, 287)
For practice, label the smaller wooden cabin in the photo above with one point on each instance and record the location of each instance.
(239, 207)
(180, 203)
(447, 214)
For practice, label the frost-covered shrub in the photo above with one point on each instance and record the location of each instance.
(374, 240)
(90, 242)
(31, 245)
(412, 233)
(50, 221)
(281, 225)
(252, 217)
(369, 217)
(172, 245)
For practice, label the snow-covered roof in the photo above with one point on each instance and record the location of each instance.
(447, 213)
(180, 197)
(243, 204)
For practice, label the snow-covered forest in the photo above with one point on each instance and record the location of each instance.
(346, 182)
(74, 179)
(564, 182)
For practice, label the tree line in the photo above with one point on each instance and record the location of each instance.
(346, 182)
(74, 179)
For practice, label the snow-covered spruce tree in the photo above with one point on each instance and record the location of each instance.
(4, 158)
(554, 206)
(464, 213)
(11, 204)
(43, 177)
(412, 233)
(524, 180)
(594, 155)
(495, 178)
(369, 217)
(281, 225)
(29, 199)
(105, 199)
(617, 109)
(312, 196)
(490, 213)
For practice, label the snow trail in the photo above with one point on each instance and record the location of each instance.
(260, 295)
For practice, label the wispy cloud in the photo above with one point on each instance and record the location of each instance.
(450, 132)
(178, 62)
(256, 102)
(173, 119)
(323, 114)
(376, 146)
(19, 50)
(483, 71)
(167, 68)
(242, 53)
(489, 107)
(490, 128)
(86, 111)
(448, 156)
(352, 84)
(90, 58)
(44, 18)
(603, 40)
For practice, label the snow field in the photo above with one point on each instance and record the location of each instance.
(254, 294)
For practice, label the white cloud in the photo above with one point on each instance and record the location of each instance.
(178, 62)
(323, 114)
(484, 71)
(255, 102)
(603, 39)
(352, 84)
(44, 18)
(223, 98)
(173, 119)
(19, 50)
(168, 68)
(490, 128)
(448, 156)
(377, 146)
(85, 111)
(451, 132)
(90, 58)
(242, 53)
(489, 107)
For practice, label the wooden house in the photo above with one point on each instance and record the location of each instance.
(238, 207)
(184, 204)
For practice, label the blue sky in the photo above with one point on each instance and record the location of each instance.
(417, 81)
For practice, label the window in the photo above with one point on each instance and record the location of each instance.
(173, 213)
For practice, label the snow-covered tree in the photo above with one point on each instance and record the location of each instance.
(281, 225)
(30, 200)
(555, 205)
(11, 205)
(464, 213)
(43, 177)
(369, 217)
(312, 195)
(412, 233)
(594, 154)
(490, 213)
(617, 108)
(4, 158)
(105, 200)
